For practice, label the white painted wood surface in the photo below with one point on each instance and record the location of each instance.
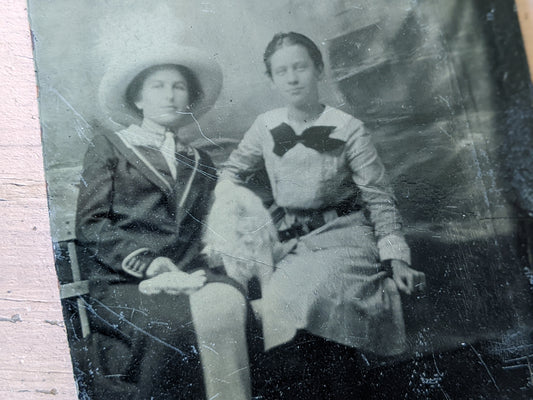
(525, 16)
(34, 356)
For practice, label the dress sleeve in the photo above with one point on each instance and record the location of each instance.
(247, 158)
(369, 175)
(95, 221)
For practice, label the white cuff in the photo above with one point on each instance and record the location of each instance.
(127, 267)
(394, 247)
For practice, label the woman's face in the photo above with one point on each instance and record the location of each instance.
(295, 75)
(164, 97)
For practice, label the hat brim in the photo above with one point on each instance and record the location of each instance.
(120, 73)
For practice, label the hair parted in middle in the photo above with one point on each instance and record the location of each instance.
(282, 39)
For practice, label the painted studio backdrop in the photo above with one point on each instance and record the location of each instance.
(420, 74)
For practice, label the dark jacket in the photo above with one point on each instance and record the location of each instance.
(123, 206)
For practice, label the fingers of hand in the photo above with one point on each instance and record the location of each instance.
(148, 288)
(153, 269)
(186, 291)
(173, 282)
(420, 281)
(160, 265)
(165, 265)
(193, 281)
(411, 282)
(401, 284)
(407, 284)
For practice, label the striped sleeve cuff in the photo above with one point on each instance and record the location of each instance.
(394, 247)
(136, 263)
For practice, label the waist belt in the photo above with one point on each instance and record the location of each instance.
(315, 221)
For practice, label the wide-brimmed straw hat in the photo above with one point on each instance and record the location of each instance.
(120, 73)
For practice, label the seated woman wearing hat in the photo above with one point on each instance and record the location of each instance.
(143, 197)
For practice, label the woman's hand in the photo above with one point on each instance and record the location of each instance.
(174, 282)
(160, 265)
(407, 279)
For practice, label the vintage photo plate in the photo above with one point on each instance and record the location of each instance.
(442, 91)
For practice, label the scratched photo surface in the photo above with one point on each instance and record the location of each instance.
(442, 89)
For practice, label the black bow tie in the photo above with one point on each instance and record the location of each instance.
(315, 137)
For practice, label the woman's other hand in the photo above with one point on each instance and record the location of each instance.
(174, 283)
(160, 265)
(407, 279)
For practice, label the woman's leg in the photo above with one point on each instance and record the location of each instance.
(219, 314)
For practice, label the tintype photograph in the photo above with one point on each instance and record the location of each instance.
(294, 199)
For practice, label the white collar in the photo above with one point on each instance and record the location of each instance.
(150, 134)
(300, 127)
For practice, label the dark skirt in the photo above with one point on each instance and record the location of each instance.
(142, 347)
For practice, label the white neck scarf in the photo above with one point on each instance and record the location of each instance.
(155, 136)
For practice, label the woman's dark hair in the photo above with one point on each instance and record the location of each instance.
(286, 39)
(133, 91)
